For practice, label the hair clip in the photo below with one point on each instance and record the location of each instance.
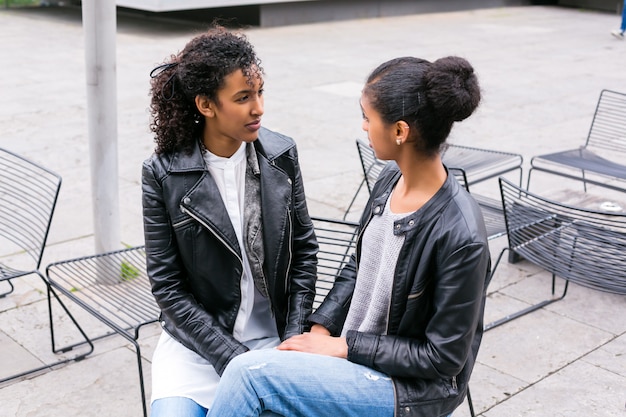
(161, 68)
(158, 71)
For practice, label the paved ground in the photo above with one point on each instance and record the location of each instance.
(541, 70)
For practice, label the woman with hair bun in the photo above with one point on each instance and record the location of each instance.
(399, 332)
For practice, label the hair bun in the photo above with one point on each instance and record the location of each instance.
(451, 87)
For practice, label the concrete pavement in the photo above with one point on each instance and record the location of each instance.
(541, 69)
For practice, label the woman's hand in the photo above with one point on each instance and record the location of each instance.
(318, 328)
(319, 341)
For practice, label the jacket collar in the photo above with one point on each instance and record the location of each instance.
(270, 144)
(432, 208)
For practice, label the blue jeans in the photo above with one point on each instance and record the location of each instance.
(301, 384)
(623, 27)
(183, 407)
(176, 406)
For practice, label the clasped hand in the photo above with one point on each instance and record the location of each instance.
(319, 341)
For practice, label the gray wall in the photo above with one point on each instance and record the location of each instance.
(607, 5)
(328, 10)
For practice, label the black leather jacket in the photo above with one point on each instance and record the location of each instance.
(435, 321)
(193, 257)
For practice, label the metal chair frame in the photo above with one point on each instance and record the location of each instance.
(576, 244)
(28, 198)
(114, 288)
(601, 155)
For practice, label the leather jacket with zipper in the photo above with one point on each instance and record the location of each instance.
(193, 257)
(435, 321)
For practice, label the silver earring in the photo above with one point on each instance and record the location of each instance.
(399, 142)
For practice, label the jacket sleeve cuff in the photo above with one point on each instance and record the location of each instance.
(220, 366)
(362, 347)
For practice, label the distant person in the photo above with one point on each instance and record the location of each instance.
(619, 33)
(231, 250)
(399, 332)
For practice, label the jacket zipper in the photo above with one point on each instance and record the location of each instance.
(289, 246)
(196, 218)
(182, 222)
(184, 210)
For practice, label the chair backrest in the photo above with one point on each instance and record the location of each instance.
(578, 244)
(337, 242)
(372, 166)
(28, 196)
(608, 128)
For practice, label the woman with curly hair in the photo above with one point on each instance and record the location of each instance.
(399, 332)
(231, 252)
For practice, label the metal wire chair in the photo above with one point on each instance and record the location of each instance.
(28, 197)
(580, 245)
(114, 288)
(603, 153)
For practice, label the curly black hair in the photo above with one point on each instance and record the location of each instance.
(428, 96)
(198, 70)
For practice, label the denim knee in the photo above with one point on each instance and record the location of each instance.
(176, 406)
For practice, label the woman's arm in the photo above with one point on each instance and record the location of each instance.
(303, 273)
(331, 314)
(458, 300)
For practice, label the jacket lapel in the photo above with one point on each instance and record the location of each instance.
(275, 198)
(203, 201)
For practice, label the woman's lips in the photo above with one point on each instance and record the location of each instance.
(254, 126)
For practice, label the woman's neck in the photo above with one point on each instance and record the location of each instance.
(421, 178)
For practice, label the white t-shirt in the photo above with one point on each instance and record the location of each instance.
(178, 371)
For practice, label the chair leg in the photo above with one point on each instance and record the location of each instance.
(141, 383)
(87, 340)
(528, 180)
(139, 367)
(529, 309)
(11, 288)
(49, 366)
(356, 194)
(469, 403)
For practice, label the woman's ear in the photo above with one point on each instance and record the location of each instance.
(205, 106)
(402, 130)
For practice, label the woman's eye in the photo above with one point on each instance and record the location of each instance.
(261, 91)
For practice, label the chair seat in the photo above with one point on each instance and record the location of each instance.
(480, 164)
(113, 287)
(583, 159)
(492, 214)
(6, 272)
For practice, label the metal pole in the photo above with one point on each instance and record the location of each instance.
(99, 25)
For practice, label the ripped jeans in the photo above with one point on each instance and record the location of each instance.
(301, 384)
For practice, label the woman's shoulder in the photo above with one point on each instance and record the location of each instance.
(274, 144)
(466, 216)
